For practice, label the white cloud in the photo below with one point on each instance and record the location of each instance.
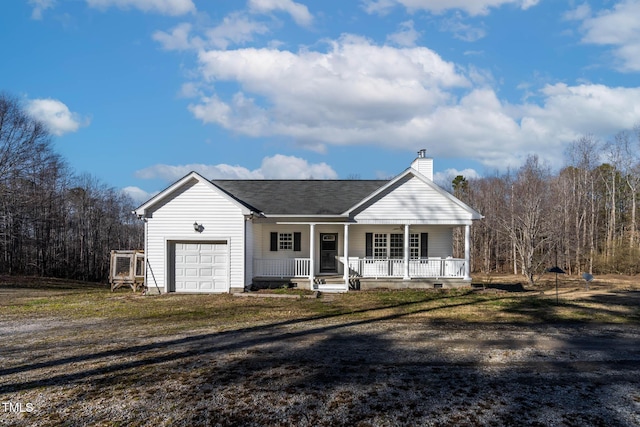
(462, 31)
(164, 7)
(343, 95)
(55, 115)
(618, 27)
(290, 167)
(178, 38)
(571, 111)
(189, 90)
(138, 195)
(357, 92)
(471, 7)
(235, 28)
(581, 12)
(171, 173)
(445, 178)
(299, 12)
(40, 6)
(379, 7)
(276, 167)
(406, 36)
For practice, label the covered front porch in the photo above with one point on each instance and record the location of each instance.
(386, 254)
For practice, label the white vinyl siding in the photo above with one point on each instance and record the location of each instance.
(263, 242)
(171, 220)
(440, 242)
(412, 201)
(262, 239)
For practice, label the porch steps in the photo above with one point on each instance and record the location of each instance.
(330, 284)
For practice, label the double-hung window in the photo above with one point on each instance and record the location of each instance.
(414, 245)
(391, 245)
(380, 246)
(396, 246)
(286, 241)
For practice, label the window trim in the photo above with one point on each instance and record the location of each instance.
(285, 241)
(389, 245)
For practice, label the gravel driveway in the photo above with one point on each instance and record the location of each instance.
(315, 373)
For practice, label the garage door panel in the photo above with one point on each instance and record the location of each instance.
(201, 267)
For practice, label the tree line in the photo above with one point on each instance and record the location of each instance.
(582, 218)
(54, 222)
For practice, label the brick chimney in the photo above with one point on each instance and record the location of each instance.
(423, 164)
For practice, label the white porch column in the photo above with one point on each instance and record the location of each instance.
(312, 254)
(406, 253)
(467, 252)
(346, 255)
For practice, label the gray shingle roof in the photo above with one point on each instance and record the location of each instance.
(299, 197)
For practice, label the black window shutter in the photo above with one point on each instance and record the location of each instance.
(274, 241)
(369, 245)
(297, 241)
(424, 245)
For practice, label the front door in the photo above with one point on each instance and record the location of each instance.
(328, 252)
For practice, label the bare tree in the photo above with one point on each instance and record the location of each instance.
(21, 137)
(582, 158)
(52, 223)
(527, 223)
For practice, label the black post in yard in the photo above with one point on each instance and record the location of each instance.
(557, 270)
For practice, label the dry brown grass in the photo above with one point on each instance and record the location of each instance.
(83, 355)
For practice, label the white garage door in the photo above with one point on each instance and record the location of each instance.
(201, 267)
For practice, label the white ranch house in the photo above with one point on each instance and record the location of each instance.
(330, 235)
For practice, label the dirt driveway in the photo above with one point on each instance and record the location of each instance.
(321, 373)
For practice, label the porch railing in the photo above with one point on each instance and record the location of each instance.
(286, 267)
(418, 268)
(365, 267)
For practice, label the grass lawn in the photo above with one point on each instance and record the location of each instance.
(80, 354)
(610, 300)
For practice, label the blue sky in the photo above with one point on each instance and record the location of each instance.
(140, 92)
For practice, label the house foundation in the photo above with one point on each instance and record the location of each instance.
(368, 284)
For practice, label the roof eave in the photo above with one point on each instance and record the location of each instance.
(410, 171)
(142, 209)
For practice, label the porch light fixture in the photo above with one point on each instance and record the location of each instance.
(198, 227)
